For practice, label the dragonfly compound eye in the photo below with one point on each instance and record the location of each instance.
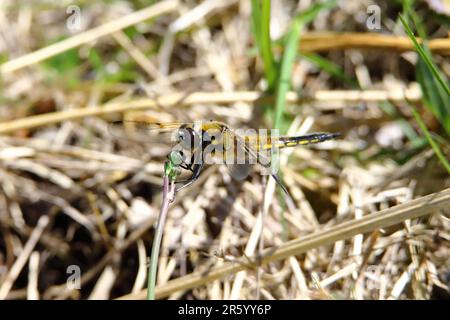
(181, 135)
(187, 138)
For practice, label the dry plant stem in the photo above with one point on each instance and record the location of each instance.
(137, 55)
(89, 275)
(311, 42)
(185, 98)
(314, 42)
(33, 271)
(168, 195)
(23, 257)
(261, 238)
(384, 218)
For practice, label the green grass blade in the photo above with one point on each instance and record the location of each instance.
(266, 45)
(256, 22)
(331, 68)
(261, 31)
(430, 140)
(290, 51)
(425, 57)
(436, 93)
(284, 81)
(434, 97)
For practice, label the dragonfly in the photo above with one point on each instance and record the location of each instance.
(196, 144)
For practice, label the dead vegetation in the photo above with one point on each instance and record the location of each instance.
(358, 224)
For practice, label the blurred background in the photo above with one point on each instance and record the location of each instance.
(79, 201)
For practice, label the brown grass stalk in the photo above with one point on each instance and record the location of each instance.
(384, 218)
(314, 42)
(195, 98)
(311, 42)
(90, 35)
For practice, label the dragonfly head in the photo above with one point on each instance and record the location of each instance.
(187, 138)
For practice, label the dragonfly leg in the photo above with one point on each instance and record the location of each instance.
(196, 170)
(185, 166)
(278, 180)
(183, 184)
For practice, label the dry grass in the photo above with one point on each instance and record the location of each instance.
(368, 214)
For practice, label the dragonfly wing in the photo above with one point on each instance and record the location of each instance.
(146, 132)
(241, 155)
(239, 171)
(132, 126)
(258, 153)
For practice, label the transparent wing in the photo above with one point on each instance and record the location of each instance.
(258, 150)
(143, 131)
(134, 126)
(239, 171)
(242, 153)
(254, 147)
